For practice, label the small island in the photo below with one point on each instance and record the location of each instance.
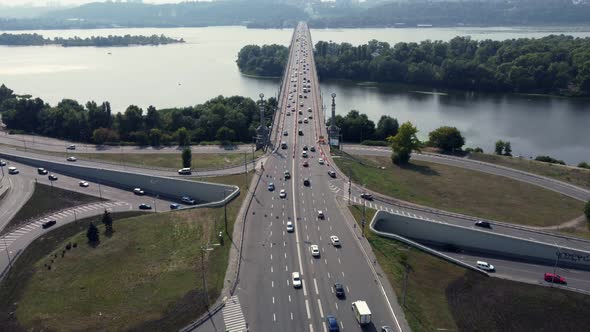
(33, 39)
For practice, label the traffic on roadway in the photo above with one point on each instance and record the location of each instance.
(302, 261)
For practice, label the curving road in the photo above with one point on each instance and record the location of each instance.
(538, 180)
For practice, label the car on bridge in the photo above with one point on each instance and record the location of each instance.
(335, 241)
(145, 206)
(321, 214)
(271, 186)
(287, 175)
(188, 200)
(339, 290)
(332, 323)
(332, 174)
(283, 193)
(367, 196)
(306, 182)
(305, 164)
(483, 224)
(71, 158)
(290, 227)
(52, 177)
(315, 250)
(174, 206)
(296, 279)
(554, 278)
(41, 171)
(312, 149)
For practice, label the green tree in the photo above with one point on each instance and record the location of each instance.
(183, 137)
(92, 234)
(187, 157)
(584, 165)
(155, 137)
(387, 126)
(404, 143)
(499, 147)
(104, 135)
(507, 149)
(449, 139)
(107, 220)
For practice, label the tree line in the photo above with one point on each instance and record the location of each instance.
(33, 39)
(223, 119)
(268, 60)
(550, 65)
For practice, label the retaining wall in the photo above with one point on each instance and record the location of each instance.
(205, 193)
(476, 240)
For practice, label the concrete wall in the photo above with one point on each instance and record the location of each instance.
(206, 194)
(433, 232)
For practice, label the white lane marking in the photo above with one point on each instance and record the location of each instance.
(339, 262)
(271, 257)
(324, 325)
(273, 300)
(310, 328)
(307, 309)
(336, 303)
(328, 275)
(291, 316)
(289, 298)
(347, 289)
(315, 284)
(286, 268)
(271, 269)
(274, 318)
(272, 284)
(321, 310)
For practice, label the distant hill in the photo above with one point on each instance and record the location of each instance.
(453, 13)
(182, 14)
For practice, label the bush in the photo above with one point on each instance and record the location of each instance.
(374, 143)
(468, 150)
(478, 150)
(449, 139)
(400, 158)
(587, 211)
(547, 159)
(584, 165)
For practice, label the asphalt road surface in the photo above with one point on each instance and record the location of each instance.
(271, 254)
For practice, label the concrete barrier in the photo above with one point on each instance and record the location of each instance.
(476, 240)
(206, 194)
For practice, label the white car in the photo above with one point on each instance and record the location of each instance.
(138, 191)
(304, 154)
(321, 161)
(12, 170)
(290, 227)
(71, 158)
(315, 250)
(296, 278)
(321, 214)
(71, 147)
(305, 120)
(335, 241)
(83, 184)
(283, 193)
(184, 171)
(485, 266)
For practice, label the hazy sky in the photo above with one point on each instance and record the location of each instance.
(66, 2)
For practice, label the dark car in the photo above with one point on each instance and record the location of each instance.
(332, 173)
(366, 196)
(287, 175)
(300, 132)
(145, 207)
(52, 177)
(339, 290)
(49, 223)
(305, 148)
(41, 171)
(174, 206)
(306, 182)
(555, 278)
(312, 149)
(483, 224)
(332, 323)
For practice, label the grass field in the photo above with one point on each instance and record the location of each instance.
(444, 297)
(576, 176)
(146, 277)
(45, 200)
(463, 191)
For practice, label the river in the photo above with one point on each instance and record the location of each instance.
(204, 67)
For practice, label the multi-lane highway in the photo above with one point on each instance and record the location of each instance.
(271, 253)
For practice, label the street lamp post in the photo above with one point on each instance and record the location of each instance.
(203, 249)
(555, 266)
(100, 191)
(364, 211)
(225, 209)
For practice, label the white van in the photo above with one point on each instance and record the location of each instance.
(485, 266)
